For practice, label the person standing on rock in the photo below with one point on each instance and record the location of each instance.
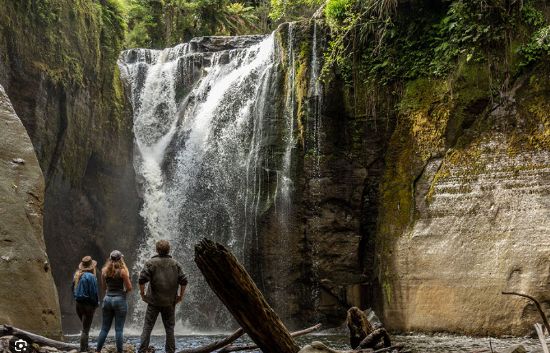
(85, 293)
(164, 275)
(115, 279)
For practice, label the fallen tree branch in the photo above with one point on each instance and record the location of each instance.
(542, 339)
(6, 330)
(374, 337)
(217, 344)
(238, 292)
(537, 304)
(253, 346)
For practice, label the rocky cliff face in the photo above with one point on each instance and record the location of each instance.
(58, 65)
(423, 202)
(465, 205)
(26, 283)
(316, 264)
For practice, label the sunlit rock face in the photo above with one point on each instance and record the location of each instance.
(28, 297)
(478, 221)
(480, 234)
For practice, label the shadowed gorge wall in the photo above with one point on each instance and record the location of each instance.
(58, 65)
(319, 263)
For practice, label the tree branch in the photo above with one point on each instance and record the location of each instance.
(253, 346)
(537, 304)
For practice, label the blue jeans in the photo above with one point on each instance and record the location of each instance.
(113, 307)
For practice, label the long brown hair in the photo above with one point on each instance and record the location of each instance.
(112, 268)
(79, 274)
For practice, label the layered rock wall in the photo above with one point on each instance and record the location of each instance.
(465, 206)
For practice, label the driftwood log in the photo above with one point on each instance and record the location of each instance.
(236, 289)
(362, 334)
(375, 337)
(6, 330)
(542, 339)
(358, 325)
(249, 347)
(537, 304)
(216, 344)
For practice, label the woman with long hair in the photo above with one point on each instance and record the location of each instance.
(115, 280)
(85, 293)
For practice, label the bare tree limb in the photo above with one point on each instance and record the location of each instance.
(542, 339)
(217, 344)
(6, 330)
(374, 337)
(537, 304)
(253, 346)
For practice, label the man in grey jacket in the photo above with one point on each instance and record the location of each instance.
(164, 275)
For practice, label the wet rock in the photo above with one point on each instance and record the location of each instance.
(515, 349)
(127, 348)
(28, 297)
(218, 43)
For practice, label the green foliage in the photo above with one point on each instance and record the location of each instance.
(292, 10)
(383, 45)
(537, 47)
(336, 10)
(160, 24)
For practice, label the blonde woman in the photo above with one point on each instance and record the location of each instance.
(86, 296)
(115, 280)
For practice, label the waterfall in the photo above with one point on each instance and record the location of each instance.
(316, 104)
(199, 124)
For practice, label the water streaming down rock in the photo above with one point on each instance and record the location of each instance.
(200, 115)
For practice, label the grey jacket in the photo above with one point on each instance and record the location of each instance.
(164, 275)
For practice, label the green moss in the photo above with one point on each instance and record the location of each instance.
(72, 45)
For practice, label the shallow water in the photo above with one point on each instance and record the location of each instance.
(418, 343)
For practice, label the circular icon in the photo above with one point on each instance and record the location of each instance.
(19, 345)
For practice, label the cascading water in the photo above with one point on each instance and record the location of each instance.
(199, 117)
(217, 123)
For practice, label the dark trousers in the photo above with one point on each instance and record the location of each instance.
(85, 313)
(168, 315)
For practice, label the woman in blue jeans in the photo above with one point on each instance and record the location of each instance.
(115, 279)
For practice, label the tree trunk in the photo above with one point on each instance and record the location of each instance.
(358, 325)
(234, 286)
(6, 330)
(374, 337)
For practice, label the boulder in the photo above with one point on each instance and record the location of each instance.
(28, 296)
